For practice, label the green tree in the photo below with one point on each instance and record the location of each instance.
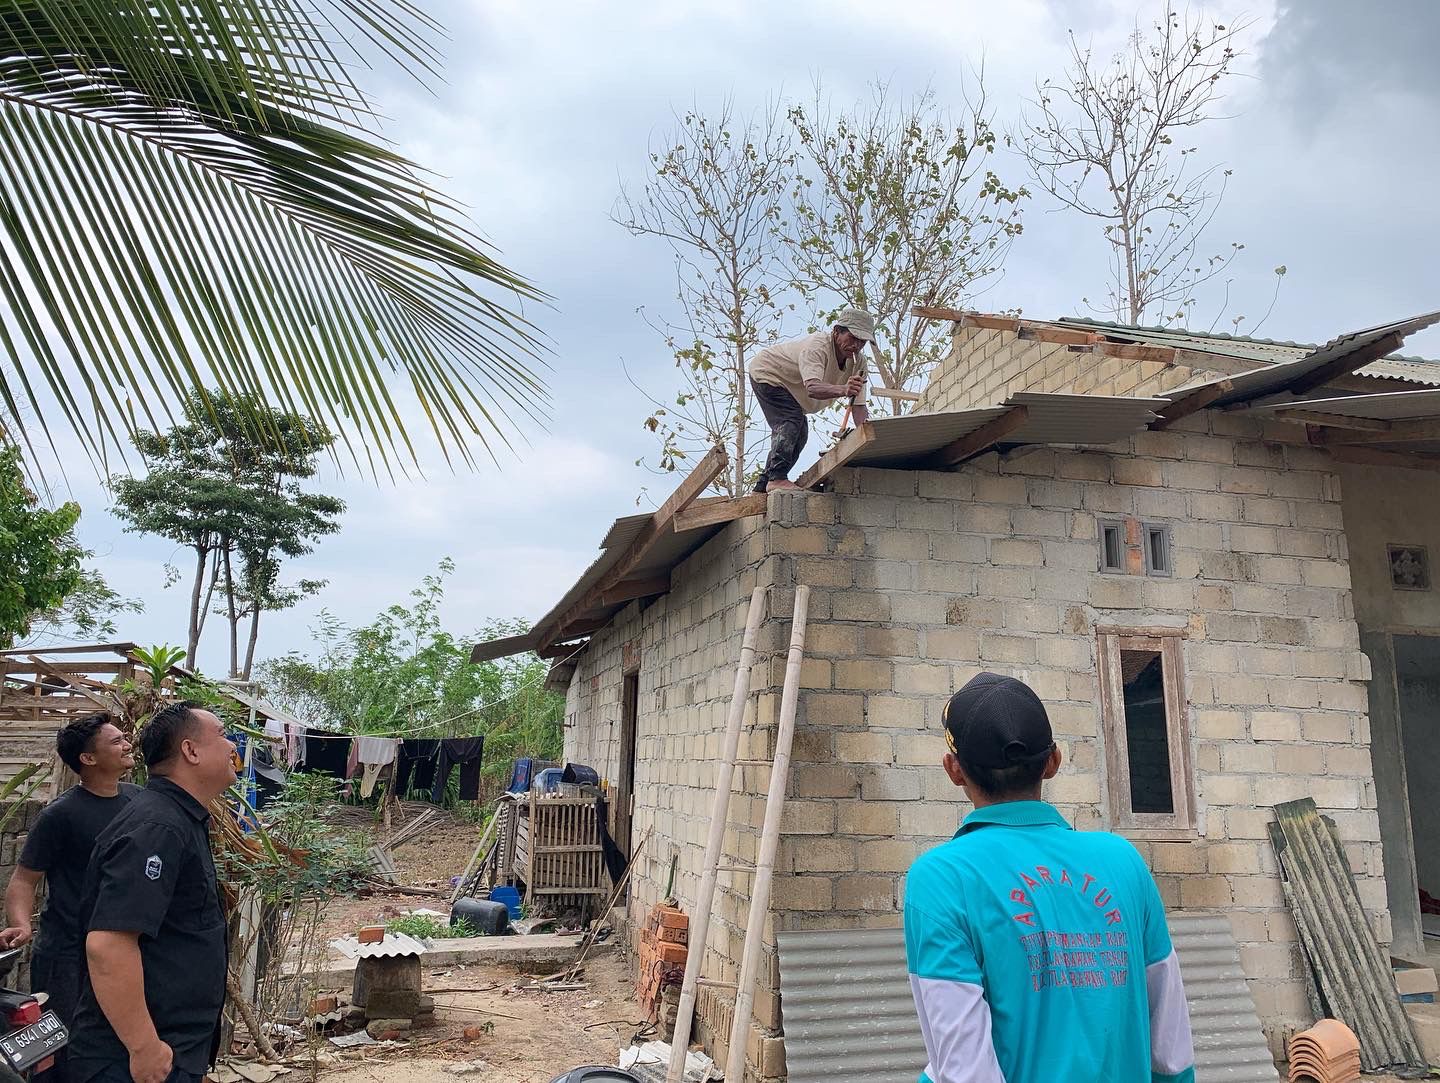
(39, 555)
(196, 194)
(236, 502)
(404, 673)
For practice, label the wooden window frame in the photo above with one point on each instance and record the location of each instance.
(1168, 644)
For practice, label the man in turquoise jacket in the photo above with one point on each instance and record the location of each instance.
(1036, 952)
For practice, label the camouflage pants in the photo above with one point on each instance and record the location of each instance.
(789, 429)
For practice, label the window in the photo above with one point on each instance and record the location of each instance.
(1409, 567)
(1112, 546)
(1147, 744)
(1157, 550)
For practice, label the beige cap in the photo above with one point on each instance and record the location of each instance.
(858, 322)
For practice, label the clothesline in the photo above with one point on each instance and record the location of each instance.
(431, 726)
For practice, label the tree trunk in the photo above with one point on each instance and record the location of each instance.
(230, 614)
(192, 644)
(254, 635)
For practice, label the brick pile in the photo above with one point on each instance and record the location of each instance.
(664, 947)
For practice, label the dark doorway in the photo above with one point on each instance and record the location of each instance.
(623, 817)
(1417, 682)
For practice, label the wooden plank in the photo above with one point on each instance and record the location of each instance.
(1347, 363)
(722, 511)
(630, 589)
(502, 648)
(1330, 421)
(108, 706)
(1192, 403)
(1131, 351)
(937, 312)
(1366, 456)
(695, 483)
(896, 393)
(562, 650)
(1057, 335)
(984, 437)
(849, 446)
(1397, 432)
(991, 323)
(86, 648)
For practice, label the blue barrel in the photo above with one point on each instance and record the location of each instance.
(510, 896)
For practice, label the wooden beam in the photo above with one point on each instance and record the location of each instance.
(109, 706)
(1130, 351)
(562, 650)
(849, 446)
(502, 648)
(1061, 336)
(1346, 364)
(991, 323)
(1329, 421)
(721, 511)
(1192, 403)
(1367, 456)
(933, 312)
(986, 436)
(686, 493)
(1397, 432)
(896, 393)
(630, 589)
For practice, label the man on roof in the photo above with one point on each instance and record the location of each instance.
(803, 376)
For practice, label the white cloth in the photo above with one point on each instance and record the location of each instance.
(1172, 1049)
(376, 751)
(955, 1023)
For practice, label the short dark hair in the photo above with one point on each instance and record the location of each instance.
(161, 736)
(77, 738)
(998, 782)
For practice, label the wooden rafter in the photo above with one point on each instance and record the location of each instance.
(502, 648)
(983, 438)
(631, 589)
(1394, 432)
(562, 650)
(1132, 351)
(1329, 421)
(1346, 364)
(1369, 456)
(1192, 403)
(848, 447)
(895, 393)
(696, 482)
(721, 511)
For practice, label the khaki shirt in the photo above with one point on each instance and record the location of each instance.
(790, 364)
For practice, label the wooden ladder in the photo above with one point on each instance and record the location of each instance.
(764, 867)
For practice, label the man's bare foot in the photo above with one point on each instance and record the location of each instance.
(783, 483)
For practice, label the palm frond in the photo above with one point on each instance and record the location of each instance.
(191, 197)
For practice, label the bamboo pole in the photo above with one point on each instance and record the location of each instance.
(769, 842)
(719, 816)
(475, 859)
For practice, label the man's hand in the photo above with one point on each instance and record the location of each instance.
(151, 1063)
(16, 936)
(854, 385)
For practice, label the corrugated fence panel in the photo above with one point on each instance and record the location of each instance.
(849, 1015)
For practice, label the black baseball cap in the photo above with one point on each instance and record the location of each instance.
(997, 722)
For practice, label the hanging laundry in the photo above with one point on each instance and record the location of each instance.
(294, 744)
(468, 753)
(326, 752)
(370, 774)
(415, 767)
(376, 750)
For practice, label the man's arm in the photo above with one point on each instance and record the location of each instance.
(118, 979)
(950, 1001)
(20, 907)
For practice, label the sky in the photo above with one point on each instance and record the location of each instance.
(547, 107)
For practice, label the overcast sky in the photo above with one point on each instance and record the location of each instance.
(548, 106)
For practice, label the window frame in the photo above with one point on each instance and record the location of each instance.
(1167, 643)
(1163, 529)
(1117, 525)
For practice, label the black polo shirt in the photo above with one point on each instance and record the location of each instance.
(152, 873)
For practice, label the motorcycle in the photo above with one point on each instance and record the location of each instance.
(30, 1036)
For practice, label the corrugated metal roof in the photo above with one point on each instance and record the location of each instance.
(1229, 1044)
(1390, 406)
(847, 1007)
(1053, 419)
(849, 1014)
(393, 946)
(1395, 366)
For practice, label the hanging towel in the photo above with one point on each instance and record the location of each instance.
(294, 744)
(376, 751)
(468, 753)
(415, 767)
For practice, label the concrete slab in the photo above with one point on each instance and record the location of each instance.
(541, 953)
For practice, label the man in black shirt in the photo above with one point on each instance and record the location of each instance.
(150, 1005)
(57, 850)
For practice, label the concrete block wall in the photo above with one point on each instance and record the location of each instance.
(985, 367)
(21, 817)
(920, 580)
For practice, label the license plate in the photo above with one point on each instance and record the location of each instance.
(29, 1045)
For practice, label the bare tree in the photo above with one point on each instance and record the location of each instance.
(1106, 141)
(896, 204)
(716, 196)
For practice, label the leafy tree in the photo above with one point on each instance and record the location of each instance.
(196, 194)
(404, 673)
(716, 196)
(86, 613)
(897, 204)
(237, 504)
(1102, 140)
(39, 555)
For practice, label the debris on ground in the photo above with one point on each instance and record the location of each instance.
(645, 1059)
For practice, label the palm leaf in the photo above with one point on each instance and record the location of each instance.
(192, 197)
